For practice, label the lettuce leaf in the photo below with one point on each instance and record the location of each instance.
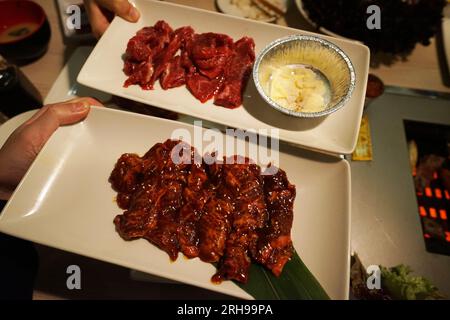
(401, 285)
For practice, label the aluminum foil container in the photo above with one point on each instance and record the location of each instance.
(316, 53)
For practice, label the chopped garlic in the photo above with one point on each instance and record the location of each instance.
(299, 89)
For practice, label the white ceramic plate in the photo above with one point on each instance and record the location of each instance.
(66, 202)
(227, 7)
(66, 87)
(336, 133)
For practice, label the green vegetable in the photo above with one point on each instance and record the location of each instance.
(296, 282)
(401, 285)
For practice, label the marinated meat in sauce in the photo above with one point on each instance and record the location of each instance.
(211, 65)
(274, 246)
(245, 183)
(195, 197)
(226, 212)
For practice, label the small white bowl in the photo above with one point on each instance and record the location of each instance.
(315, 53)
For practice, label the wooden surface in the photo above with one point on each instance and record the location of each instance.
(102, 280)
(420, 70)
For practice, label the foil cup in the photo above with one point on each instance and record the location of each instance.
(310, 51)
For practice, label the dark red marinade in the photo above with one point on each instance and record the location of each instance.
(226, 212)
(211, 65)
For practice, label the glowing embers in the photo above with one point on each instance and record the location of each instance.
(433, 213)
(429, 151)
(436, 194)
(433, 207)
(422, 211)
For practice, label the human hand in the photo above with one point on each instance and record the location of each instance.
(24, 144)
(99, 10)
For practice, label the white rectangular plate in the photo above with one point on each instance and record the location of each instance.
(65, 201)
(336, 133)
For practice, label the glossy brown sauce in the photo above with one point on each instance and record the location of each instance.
(223, 213)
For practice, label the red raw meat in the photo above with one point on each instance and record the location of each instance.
(236, 74)
(174, 74)
(208, 45)
(210, 64)
(202, 87)
(138, 50)
(162, 61)
(129, 67)
(142, 74)
(210, 53)
(159, 37)
(147, 44)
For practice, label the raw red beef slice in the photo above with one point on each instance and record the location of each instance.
(236, 74)
(141, 50)
(174, 74)
(202, 87)
(162, 61)
(210, 52)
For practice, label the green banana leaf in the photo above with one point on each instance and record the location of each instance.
(296, 282)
